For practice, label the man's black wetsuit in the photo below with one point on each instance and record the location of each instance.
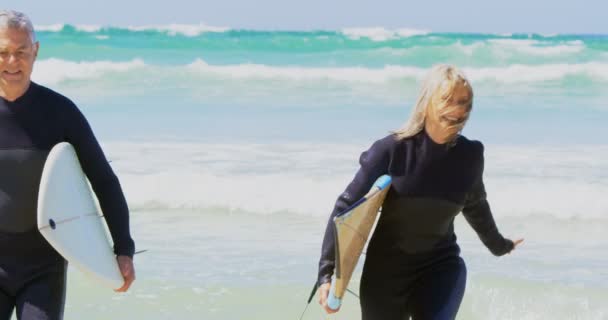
(32, 273)
(412, 265)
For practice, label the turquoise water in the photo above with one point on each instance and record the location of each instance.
(190, 82)
(369, 48)
(232, 145)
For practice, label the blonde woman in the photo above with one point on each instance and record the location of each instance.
(413, 267)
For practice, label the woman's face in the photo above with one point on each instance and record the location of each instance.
(447, 116)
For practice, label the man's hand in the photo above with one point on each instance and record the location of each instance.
(125, 264)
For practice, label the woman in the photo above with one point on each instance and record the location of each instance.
(413, 267)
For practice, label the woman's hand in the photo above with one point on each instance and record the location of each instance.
(323, 294)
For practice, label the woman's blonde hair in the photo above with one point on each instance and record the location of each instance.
(436, 92)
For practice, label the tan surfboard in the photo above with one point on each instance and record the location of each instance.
(353, 228)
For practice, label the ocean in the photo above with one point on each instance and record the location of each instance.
(232, 146)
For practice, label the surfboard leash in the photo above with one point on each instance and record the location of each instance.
(312, 294)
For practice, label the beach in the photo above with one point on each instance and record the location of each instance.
(232, 146)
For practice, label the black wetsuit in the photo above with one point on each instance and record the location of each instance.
(412, 266)
(32, 273)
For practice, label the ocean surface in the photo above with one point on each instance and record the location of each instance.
(232, 146)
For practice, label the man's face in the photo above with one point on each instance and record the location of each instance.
(17, 56)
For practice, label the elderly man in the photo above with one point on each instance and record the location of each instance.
(32, 120)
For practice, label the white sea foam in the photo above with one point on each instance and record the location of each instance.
(60, 26)
(50, 28)
(56, 70)
(88, 28)
(519, 73)
(468, 49)
(53, 71)
(381, 34)
(306, 178)
(537, 48)
(509, 74)
(190, 30)
(171, 29)
(346, 74)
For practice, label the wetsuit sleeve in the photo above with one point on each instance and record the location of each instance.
(479, 215)
(104, 182)
(374, 163)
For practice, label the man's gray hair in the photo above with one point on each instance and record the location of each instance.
(10, 19)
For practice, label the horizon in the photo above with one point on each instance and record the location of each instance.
(465, 16)
(201, 27)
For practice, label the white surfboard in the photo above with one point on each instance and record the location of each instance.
(70, 220)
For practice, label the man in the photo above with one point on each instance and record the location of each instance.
(32, 120)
